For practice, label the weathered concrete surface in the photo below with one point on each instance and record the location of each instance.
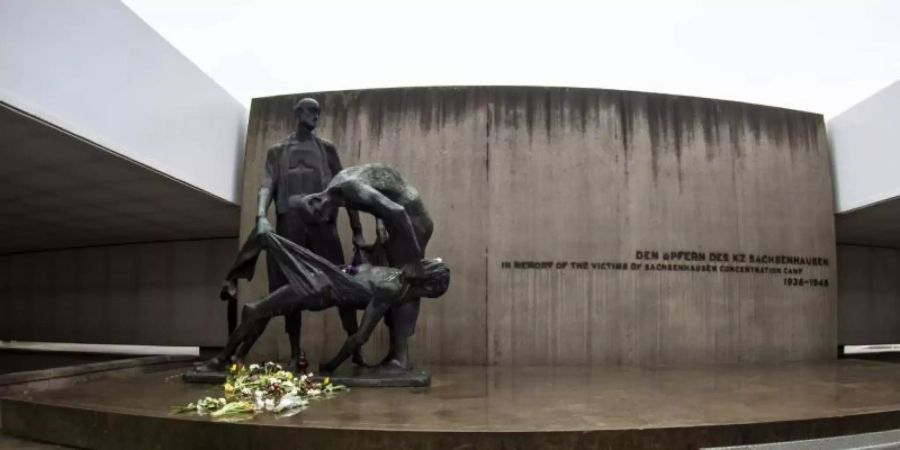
(571, 175)
(160, 293)
(868, 295)
(875, 225)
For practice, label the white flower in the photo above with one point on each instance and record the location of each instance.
(269, 404)
(290, 402)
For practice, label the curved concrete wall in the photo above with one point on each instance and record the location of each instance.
(592, 226)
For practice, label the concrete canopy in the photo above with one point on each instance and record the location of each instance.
(61, 191)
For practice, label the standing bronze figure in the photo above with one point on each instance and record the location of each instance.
(302, 163)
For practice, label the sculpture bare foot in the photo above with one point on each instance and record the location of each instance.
(395, 364)
(358, 360)
(228, 291)
(299, 364)
(326, 369)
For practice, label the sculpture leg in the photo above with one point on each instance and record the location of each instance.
(350, 347)
(250, 337)
(290, 226)
(351, 326)
(293, 323)
(324, 241)
(403, 325)
(401, 319)
(256, 316)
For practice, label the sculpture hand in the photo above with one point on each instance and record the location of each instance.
(228, 291)
(359, 240)
(381, 234)
(263, 226)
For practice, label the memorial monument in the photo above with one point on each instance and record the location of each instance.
(316, 284)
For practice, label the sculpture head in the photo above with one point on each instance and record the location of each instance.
(307, 111)
(319, 207)
(435, 279)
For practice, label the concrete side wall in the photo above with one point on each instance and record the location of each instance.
(868, 295)
(150, 294)
(575, 178)
(865, 140)
(97, 70)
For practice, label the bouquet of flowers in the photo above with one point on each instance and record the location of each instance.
(256, 388)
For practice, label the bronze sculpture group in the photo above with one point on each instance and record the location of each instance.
(304, 177)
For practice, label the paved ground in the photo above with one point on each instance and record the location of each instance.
(9, 443)
(886, 440)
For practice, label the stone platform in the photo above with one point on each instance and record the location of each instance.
(491, 407)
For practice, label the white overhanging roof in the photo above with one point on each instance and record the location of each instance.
(865, 144)
(98, 71)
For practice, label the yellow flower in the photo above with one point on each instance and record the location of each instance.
(326, 381)
(229, 389)
(233, 368)
(290, 376)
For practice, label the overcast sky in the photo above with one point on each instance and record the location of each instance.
(822, 56)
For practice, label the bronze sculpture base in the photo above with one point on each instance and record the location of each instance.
(379, 377)
(195, 376)
(353, 377)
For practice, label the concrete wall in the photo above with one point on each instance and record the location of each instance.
(868, 295)
(152, 294)
(532, 190)
(865, 140)
(97, 70)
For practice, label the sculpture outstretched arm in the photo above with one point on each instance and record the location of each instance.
(358, 239)
(374, 312)
(381, 233)
(334, 164)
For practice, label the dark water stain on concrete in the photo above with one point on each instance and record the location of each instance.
(755, 122)
(530, 112)
(709, 116)
(508, 102)
(671, 121)
(654, 112)
(734, 122)
(582, 107)
(681, 120)
(626, 120)
(455, 104)
(622, 102)
(548, 113)
(489, 122)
